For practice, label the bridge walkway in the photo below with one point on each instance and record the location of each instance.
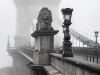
(28, 53)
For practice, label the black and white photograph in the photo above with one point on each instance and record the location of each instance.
(49, 37)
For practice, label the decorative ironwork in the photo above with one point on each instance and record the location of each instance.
(67, 45)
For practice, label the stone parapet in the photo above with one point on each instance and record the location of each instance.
(72, 66)
(43, 70)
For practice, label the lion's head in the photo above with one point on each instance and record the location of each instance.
(44, 19)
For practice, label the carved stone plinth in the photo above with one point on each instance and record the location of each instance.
(44, 44)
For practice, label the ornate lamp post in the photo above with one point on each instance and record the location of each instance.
(96, 35)
(67, 45)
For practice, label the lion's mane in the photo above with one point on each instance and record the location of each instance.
(44, 20)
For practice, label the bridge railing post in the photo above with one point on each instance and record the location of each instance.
(90, 58)
(93, 58)
(97, 59)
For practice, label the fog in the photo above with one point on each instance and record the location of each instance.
(85, 18)
(86, 14)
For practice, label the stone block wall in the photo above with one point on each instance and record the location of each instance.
(72, 66)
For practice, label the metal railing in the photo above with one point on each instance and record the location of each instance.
(89, 54)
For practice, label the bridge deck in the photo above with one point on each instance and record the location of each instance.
(24, 57)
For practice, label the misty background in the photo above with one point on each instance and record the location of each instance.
(85, 18)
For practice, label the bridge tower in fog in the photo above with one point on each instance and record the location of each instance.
(27, 10)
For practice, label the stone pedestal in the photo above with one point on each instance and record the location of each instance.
(44, 44)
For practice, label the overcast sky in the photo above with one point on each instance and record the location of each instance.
(86, 14)
(85, 17)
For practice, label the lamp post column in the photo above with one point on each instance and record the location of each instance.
(96, 35)
(67, 45)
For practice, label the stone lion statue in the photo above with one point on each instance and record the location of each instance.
(44, 19)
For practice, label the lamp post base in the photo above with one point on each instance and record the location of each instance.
(67, 55)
